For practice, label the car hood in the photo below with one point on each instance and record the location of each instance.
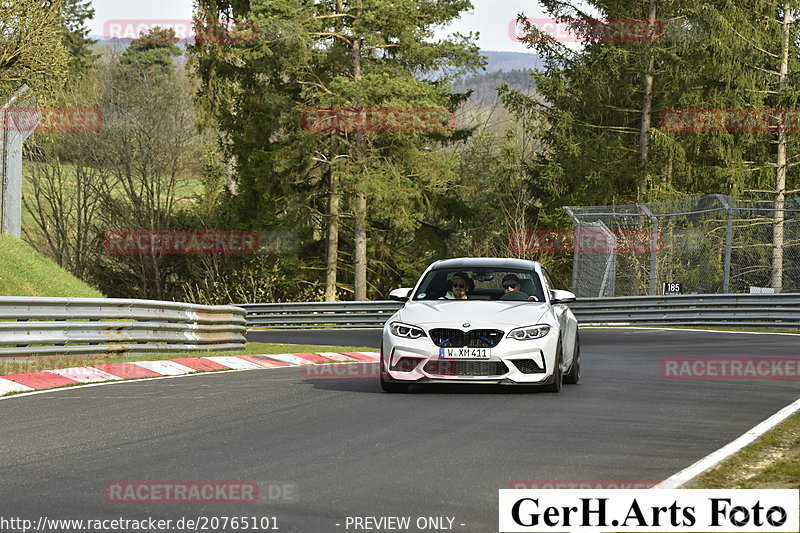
(476, 312)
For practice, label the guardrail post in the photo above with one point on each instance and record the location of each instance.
(726, 280)
(12, 137)
(3, 170)
(653, 247)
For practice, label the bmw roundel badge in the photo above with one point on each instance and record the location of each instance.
(466, 325)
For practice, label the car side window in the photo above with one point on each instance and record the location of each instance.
(548, 279)
(538, 287)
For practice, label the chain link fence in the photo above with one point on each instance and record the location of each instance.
(706, 244)
(18, 118)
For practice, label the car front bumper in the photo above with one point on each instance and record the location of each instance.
(529, 362)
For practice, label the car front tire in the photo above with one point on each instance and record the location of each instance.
(574, 375)
(558, 375)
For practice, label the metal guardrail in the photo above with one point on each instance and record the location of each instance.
(754, 310)
(107, 326)
(309, 315)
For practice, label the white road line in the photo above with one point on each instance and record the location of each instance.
(243, 365)
(713, 459)
(68, 389)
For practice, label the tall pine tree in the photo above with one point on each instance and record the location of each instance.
(759, 45)
(361, 54)
(76, 36)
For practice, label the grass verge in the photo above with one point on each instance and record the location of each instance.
(25, 272)
(771, 462)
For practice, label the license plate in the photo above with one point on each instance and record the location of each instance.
(465, 353)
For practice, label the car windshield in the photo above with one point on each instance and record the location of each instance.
(480, 284)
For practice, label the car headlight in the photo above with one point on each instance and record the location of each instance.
(405, 330)
(529, 332)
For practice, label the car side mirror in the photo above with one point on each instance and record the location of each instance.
(561, 297)
(400, 295)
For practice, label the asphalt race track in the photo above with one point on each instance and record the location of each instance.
(343, 448)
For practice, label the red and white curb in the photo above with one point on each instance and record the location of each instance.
(51, 379)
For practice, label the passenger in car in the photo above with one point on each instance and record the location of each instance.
(462, 285)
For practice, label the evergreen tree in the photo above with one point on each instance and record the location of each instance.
(599, 103)
(336, 54)
(760, 48)
(153, 50)
(75, 14)
(604, 104)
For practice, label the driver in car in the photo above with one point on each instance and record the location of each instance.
(511, 283)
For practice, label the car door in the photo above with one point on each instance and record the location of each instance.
(567, 323)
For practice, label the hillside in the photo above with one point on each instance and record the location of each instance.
(484, 86)
(24, 272)
(484, 108)
(505, 61)
(495, 61)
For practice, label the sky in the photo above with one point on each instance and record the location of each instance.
(490, 17)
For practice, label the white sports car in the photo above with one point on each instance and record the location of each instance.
(481, 320)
